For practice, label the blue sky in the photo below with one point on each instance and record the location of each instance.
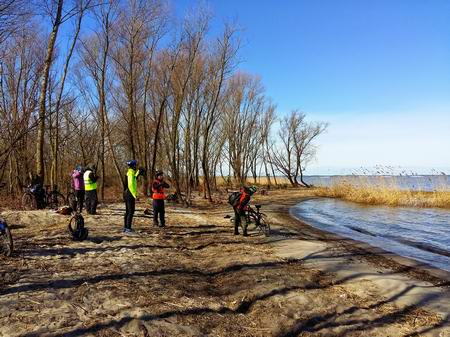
(377, 70)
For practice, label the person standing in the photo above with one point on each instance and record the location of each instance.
(78, 186)
(240, 207)
(90, 186)
(158, 196)
(130, 194)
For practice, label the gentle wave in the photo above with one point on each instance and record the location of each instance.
(417, 233)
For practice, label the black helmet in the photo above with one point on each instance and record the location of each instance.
(158, 173)
(131, 163)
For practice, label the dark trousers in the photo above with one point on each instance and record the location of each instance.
(79, 196)
(159, 211)
(239, 217)
(130, 207)
(91, 201)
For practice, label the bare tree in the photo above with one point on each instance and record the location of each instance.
(13, 15)
(297, 149)
(56, 22)
(81, 6)
(241, 119)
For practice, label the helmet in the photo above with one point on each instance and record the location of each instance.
(131, 163)
(79, 168)
(158, 173)
(252, 189)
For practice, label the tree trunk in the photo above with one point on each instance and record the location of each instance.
(40, 170)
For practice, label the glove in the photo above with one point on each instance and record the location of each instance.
(141, 171)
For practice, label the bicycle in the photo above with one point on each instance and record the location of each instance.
(52, 199)
(6, 241)
(256, 217)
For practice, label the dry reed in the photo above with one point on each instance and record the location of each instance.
(385, 195)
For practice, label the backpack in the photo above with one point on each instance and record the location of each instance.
(79, 233)
(233, 198)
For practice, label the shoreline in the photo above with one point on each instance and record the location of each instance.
(420, 285)
(374, 255)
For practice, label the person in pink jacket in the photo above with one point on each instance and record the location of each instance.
(78, 186)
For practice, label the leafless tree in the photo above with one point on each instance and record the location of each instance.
(297, 149)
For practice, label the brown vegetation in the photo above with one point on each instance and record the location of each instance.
(385, 195)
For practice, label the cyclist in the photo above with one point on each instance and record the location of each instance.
(240, 206)
(158, 197)
(130, 194)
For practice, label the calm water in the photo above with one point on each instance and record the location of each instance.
(425, 183)
(422, 234)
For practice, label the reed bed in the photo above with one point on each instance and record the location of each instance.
(385, 195)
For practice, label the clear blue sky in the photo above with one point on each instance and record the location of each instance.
(377, 70)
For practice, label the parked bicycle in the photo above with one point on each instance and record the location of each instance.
(34, 198)
(6, 241)
(258, 218)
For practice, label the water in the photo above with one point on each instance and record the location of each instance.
(425, 182)
(422, 234)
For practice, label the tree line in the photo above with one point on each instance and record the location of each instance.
(88, 81)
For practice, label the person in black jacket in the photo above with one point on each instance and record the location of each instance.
(158, 196)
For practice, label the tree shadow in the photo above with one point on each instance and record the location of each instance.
(103, 238)
(242, 308)
(313, 324)
(317, 323)
(123, 214)
(71, 252)
(16, 226)
(200, 232)
(75, 282)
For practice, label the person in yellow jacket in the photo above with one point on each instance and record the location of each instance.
(130, 194)
(90, 186)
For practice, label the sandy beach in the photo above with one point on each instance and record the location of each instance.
(195, 278)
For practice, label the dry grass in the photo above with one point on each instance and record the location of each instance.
(385, 195)
(262, 181)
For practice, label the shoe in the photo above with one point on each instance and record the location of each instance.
(130, 232)
(161, 226)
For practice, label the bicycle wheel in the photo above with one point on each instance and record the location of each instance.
(6, 241)
(55, 199)
(28, 201)
(72, 200)
(263, 226)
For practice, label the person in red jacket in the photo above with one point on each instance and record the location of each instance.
(240, 208)
(158, 196)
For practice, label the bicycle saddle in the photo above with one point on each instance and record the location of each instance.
(258, 206)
